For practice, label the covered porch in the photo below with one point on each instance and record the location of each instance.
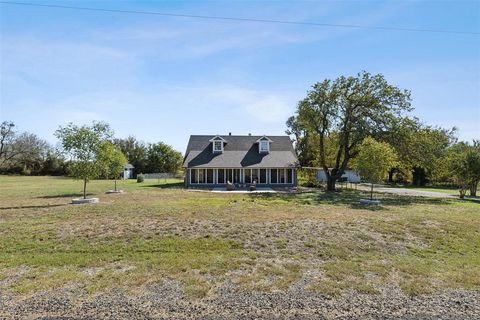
(240, 177)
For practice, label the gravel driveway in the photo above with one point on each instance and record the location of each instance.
(167, 301)
(407, 192)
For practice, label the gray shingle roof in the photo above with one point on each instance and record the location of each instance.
(239, 151)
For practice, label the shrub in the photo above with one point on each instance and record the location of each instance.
(140, 178)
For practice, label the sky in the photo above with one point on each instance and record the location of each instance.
(163, 78)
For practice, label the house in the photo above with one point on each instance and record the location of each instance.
(212, 161)
(347, 176)
(127, 171)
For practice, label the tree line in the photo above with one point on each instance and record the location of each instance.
(27, 154)
(332, 122)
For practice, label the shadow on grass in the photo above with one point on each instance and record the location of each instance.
(409, 186)
(63, 195)
(33, 207)
(352, 199)
(471, 199)
(170, 185)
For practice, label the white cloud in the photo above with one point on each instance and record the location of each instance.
(262, 106)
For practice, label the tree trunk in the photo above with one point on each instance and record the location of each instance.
(473, 188)
(84, 188)
(331, 183)
(371, 192)
(463, 191)
(115, 184)
(390, 175)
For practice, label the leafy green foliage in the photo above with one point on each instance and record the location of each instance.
(343, 112)
(150, 157)
(418, 147)
(463, 164)
(374, 159)
(111, 161)
(135, 151)
(163, 158)
(22, 152)
(83, 144)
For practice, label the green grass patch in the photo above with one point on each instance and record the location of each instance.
(156, 231)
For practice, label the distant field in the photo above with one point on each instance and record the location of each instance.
(156, 231)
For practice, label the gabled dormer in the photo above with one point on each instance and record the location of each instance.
(264, 144)
(217, 144)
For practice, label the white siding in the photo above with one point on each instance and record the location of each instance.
(351, 176)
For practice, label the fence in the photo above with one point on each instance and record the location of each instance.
(162, 176)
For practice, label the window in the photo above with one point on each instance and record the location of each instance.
(221, 175)
(209, 176)
(217, 146)
(273, 176)
(255, 175)
(289, 176)
(281, 176)
(201, 176)
(264, 146)
(263, 176)
(193, 176)
(236, 176)
(248, 175)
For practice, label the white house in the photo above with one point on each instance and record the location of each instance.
(349, 175)
(127, 171)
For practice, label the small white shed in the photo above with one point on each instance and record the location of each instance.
(127, 171)
(349, 175)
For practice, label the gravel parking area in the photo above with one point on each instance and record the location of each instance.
(167, 301)
(407, 192)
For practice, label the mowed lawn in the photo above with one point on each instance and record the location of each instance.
(157, 231)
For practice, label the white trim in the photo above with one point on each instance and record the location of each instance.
(263, 138)
(242, 175)
(215, 138)
(265, 143)
(215, 150)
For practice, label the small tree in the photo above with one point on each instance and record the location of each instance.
(374, 160)
(463, 162)
(82, 144)
(112, 161)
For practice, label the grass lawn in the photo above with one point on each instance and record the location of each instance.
(157, 231)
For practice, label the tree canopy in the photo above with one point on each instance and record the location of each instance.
(111, 161)
(21, 152)
(151, 157)
(462, 162)
(374, 159)
(163, 158)
(341, 113)
(83, 144)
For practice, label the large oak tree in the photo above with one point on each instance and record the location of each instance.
(343, 112)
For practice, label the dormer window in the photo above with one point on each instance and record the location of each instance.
(217, 144)
(264, 144)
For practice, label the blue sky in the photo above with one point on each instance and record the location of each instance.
(163, 78)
